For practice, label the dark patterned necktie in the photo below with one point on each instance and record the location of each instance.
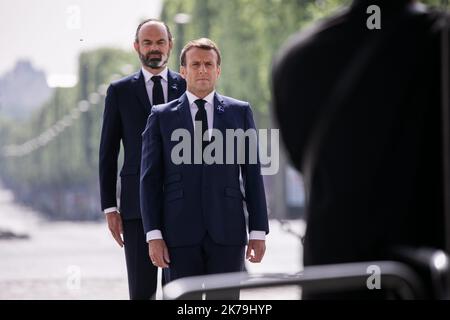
(203, 118)
(157, 94)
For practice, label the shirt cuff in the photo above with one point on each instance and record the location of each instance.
(257, 235)
(154, 234)
(109, 210)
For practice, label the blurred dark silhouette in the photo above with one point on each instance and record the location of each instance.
(360, 114)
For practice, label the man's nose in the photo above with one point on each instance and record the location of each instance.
(202, 68)
(154, 47)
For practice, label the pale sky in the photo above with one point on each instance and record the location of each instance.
(51, 33)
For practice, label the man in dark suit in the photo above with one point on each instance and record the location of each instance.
(359, 112)
(193, 212)
(127, 107)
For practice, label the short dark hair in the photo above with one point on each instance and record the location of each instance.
(169, 34)
(202, 43)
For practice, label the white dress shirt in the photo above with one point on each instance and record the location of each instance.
(209, 107)
(149, 87)
(149, 83)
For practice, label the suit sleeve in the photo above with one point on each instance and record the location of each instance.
(151, 187)
(109, 150)
(253, 184)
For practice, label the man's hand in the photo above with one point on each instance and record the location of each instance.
(255, 250)
(158, 252)
(115, 226)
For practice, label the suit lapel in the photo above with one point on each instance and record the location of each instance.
(219, 113)
(172, 88)
(184, 114)
(141, 91)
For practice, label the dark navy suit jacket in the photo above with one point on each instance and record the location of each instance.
(185, 201)
(127, 108)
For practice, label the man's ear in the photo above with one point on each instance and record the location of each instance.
(218, 71)
(170, 44)
(136, 46)
(183, 72)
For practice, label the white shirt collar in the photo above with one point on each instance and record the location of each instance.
(192, 97)
(148, 75)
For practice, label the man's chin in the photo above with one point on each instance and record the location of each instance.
(155, 65)
(205, 90)
(203, 83)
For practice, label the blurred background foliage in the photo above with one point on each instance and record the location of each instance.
(60, 177)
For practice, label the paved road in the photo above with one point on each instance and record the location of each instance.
(73, 260)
